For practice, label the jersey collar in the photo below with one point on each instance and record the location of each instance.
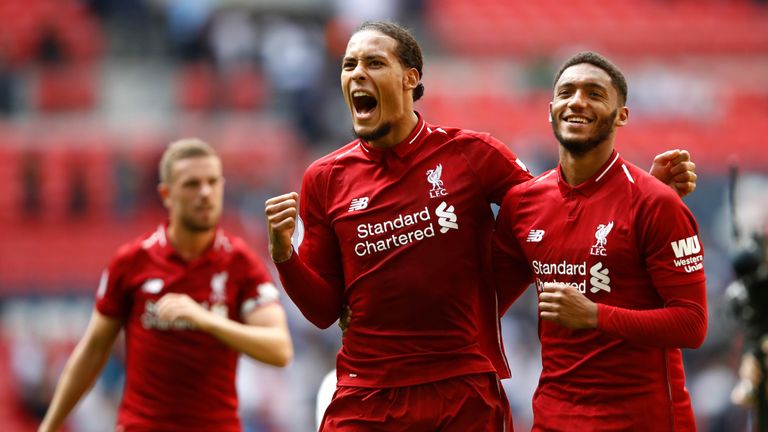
(589, 187)
(402, 149)
(163, 247)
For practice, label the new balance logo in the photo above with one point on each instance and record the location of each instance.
(599, 279)
(535, 236)
(685, 247)
(446, 217)
(358, 204)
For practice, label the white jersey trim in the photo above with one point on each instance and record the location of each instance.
(544, 176)
(353, 148)
(423, 123)
(626, 171)
(607, 168)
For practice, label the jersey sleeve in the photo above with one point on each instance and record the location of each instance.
(668, 235)
(510, 269)
(496, 166)
(112, 298)
(313, 276)
(257, 288)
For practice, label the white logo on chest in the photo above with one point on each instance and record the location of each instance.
(219, 287)
(446, 217)
(535, 236)
(600, 279)
(601, 235)
(433, 177)
(358, 204)
(153, 286)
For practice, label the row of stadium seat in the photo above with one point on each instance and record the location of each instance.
(520, 27)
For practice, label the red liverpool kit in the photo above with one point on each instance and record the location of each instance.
(177, 378)
(628, 243)
(403, 237)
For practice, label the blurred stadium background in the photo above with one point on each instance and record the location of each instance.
(91, 92)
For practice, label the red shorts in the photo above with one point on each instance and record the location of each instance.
(638, 414)
(465, 403)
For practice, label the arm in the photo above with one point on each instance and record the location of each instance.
(82, 369)
(681, 323)
(318, 299)
(264, 335)
(662, 223)
(511, 272)
(675, 169)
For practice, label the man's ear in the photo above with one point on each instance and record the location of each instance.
(411, 79)
(165, 194)
(622, 117)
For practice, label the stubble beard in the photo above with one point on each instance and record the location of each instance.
(376, 134)
(193, 226)
(580, 147)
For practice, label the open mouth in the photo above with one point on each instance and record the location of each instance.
(577, 120)
(363, 102)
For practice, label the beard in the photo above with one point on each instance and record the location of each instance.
(192, 225)
(578, 147)
(378, 133)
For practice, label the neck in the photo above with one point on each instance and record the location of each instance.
(189, 244)
(401, 128)
(577, 169)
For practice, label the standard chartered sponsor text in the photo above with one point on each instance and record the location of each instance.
(561, 268)
(367, 230)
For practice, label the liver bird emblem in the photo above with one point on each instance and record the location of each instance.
(433, 177)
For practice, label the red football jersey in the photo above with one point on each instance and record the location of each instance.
(403, 237)
(178, 378)
(628, 243)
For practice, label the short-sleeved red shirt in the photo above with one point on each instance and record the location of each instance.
(178, 378)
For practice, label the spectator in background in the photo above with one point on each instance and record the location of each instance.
(397, 224)
(190, 298)
(616, 258)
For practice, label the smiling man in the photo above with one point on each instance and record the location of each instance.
(626, 291)
(397, 224)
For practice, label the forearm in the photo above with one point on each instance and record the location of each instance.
(271, 345)
(681, 325)
(318, 300)
(79, 374)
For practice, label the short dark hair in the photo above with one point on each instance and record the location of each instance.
(408, 50)
(595, 59)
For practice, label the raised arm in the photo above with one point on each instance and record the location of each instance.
(82, 369)
(319, 297)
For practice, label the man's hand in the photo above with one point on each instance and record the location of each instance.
(172, 307)
(675, 168)
(566, 306)
(344, 319)
(281, 212)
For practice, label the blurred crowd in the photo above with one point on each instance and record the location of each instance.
(90, 92)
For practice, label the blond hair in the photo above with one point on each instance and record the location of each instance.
(183, 149)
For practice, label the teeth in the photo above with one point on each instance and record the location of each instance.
(581, 120)
(359, 94)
